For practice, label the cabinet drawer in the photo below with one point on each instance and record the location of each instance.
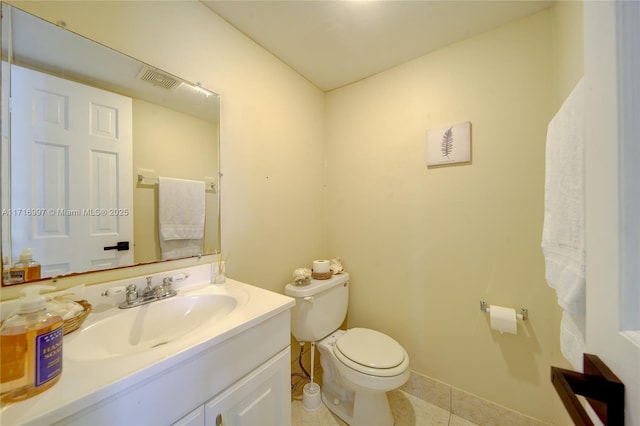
(262, 397)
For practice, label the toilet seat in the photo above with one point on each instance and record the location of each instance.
(371, 352)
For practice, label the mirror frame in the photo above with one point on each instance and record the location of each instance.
(217, 224)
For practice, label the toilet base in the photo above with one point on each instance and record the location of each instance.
(365, 409)
(345, 396)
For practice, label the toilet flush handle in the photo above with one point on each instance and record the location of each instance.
(309, 299)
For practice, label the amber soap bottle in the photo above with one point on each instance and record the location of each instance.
(31, 345)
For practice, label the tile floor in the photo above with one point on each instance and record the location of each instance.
(407, 410)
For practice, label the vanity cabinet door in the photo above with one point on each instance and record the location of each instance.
(194, 418)
(263, 397)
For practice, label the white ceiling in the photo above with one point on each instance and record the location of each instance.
(333, 43)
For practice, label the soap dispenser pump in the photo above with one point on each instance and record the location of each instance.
(31, 342)
(30, 267)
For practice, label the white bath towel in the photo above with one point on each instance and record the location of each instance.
(181, 211)
(563, 242)
(572, 338)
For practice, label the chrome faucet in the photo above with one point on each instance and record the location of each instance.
(149, 293)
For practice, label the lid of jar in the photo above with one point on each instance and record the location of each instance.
(26, 255)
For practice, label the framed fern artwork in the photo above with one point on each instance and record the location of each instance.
(449, 144)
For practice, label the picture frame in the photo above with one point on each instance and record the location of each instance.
(449, 144)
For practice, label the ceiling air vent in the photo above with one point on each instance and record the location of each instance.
(158, 78)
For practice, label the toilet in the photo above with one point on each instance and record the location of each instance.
(359, 365)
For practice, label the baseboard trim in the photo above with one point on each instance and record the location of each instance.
(466, 405)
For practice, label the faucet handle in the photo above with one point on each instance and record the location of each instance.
(131, 294)
(164, 290)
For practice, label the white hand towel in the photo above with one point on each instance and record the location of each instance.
(181, 209)
(176, 249)
(563, 242)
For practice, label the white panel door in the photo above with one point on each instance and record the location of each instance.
(612, 219)
(71, 176)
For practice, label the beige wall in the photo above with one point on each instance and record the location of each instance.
(568, 48)
(425, 245)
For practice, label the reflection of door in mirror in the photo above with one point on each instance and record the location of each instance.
(72, 190)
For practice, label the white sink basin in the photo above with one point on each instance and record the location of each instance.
(149, 326)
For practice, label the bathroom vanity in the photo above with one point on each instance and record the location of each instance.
(213, 354)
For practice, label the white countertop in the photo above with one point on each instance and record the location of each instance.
(84, 383)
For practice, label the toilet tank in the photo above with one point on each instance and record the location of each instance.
(321, 307)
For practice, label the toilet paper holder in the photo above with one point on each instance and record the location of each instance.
(522, 314)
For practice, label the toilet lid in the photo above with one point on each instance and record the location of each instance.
(370, 348)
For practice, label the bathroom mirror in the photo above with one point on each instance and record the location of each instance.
(98, 209)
